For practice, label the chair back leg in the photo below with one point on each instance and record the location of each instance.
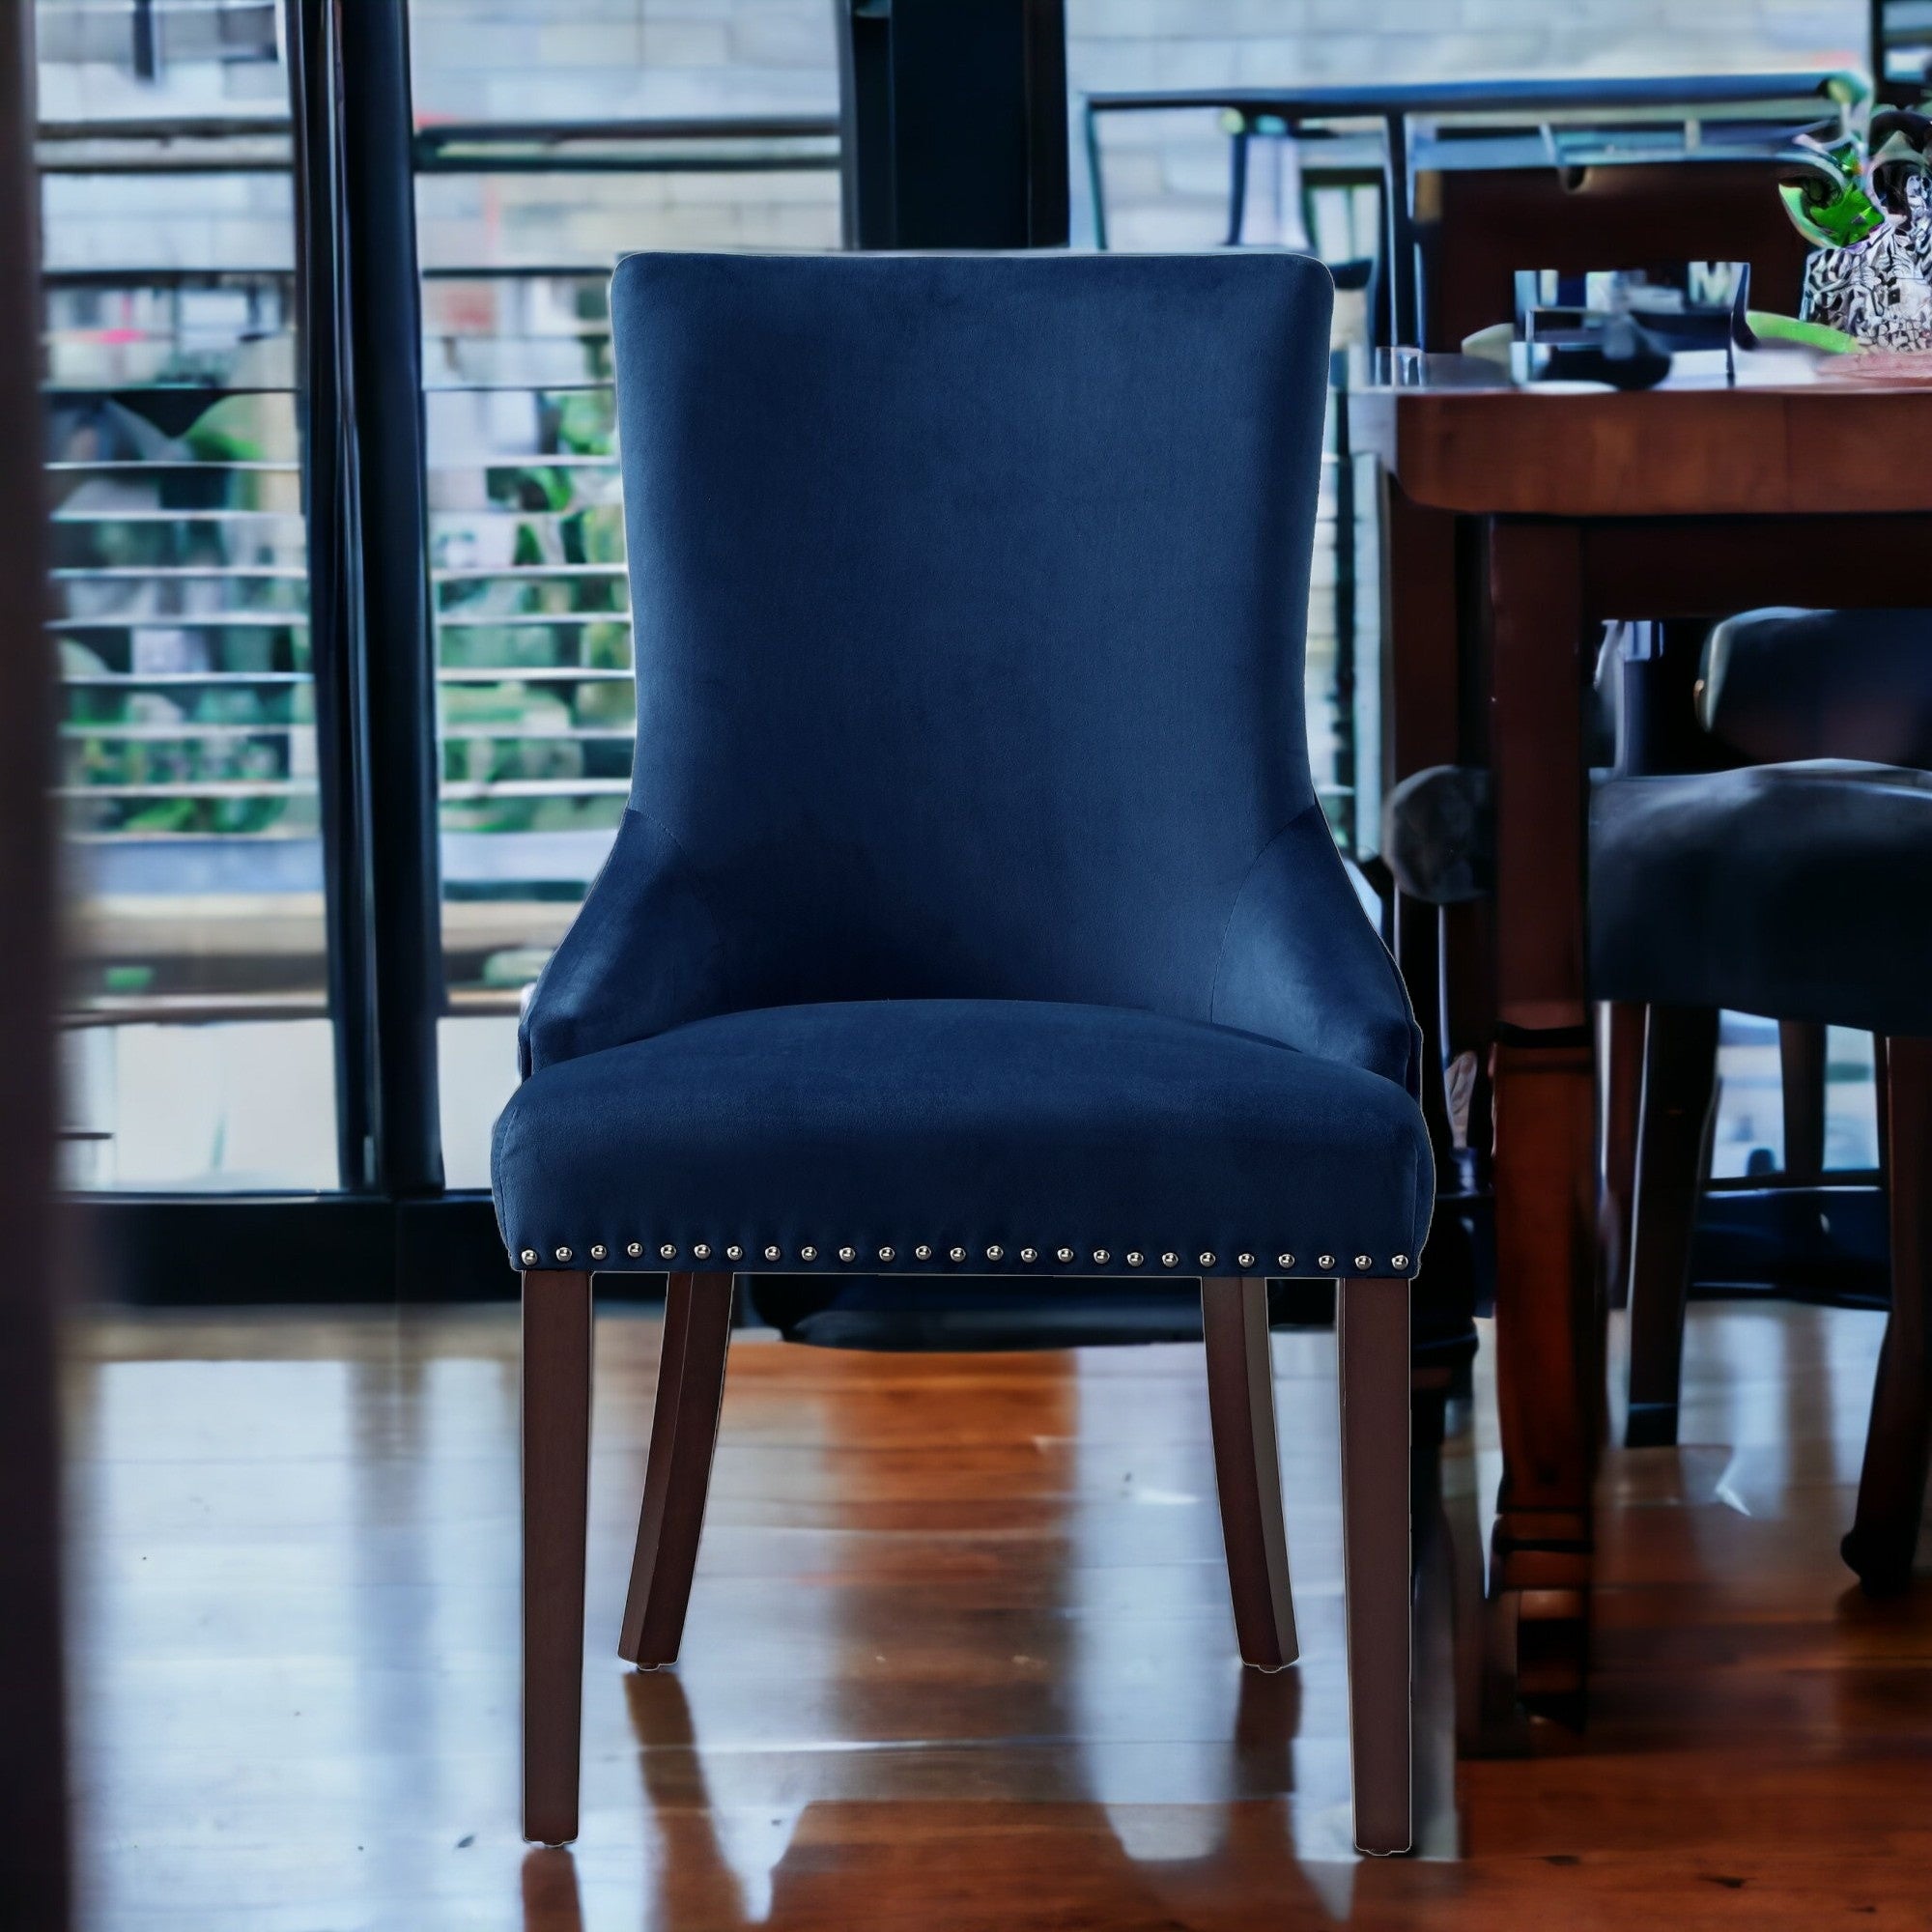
(1800, 1064)
(677, 1474)
(1372, 1331)
(1892, 1489)
(1248, 1468)
(557, 1484)
(1676, 1116)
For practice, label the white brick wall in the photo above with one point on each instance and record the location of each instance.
(525, 59)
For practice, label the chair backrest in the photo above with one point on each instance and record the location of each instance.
(1477, 227)
(969, 596)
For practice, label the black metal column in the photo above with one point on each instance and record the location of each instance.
(370, 620)
(953, 123)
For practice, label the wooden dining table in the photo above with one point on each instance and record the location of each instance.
(1518, 520)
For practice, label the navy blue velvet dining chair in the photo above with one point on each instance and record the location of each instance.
(974, 914)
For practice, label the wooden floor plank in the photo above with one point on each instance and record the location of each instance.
(959, 1656)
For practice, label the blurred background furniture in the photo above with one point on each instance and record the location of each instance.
(1555, 137)
(900, 964)
(1803, 891)
(1742, 492)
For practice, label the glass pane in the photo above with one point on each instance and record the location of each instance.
(519, 233)
(188, 773)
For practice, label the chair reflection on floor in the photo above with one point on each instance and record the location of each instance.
(1039, 1818)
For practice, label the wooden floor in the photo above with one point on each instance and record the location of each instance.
(959, 1652)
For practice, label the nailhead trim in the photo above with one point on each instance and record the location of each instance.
(702, 1251)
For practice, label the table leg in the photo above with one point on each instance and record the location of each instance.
(1548, 1321)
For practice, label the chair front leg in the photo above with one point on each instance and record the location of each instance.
(677, 1473)
(1891, 1488)
(557, 1484)
(1372, 1334)
(1248, 1468)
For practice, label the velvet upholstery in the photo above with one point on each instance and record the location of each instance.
(1789, 684)
(1799, 892)
(972, 889)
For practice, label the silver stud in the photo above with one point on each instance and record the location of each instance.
(635, 1249)
(808, 1254)
(668, 1251)
(888, 1254)
(957, 1254)
(1205, 1259)
(1170, 1260)
(848, 1254)
(529, 1258)
(734, 1253)
(1063, 1254)
(1245, 1261)
(1028, 1254)
(1325, 1261)
(1284, 1260)
(1365, 1262)
(563, 1254)
(1101, 1258)
(774, 1253)
(924, 1252)
(1397, 1260)
(1135, 1258)
(701, 1252)
(996, 1253)
(598, 1252)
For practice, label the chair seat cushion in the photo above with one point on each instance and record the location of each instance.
(1798, 892)
(962, 1137)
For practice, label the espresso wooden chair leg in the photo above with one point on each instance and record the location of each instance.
(1372, 1330)
(1675, 1121)
(1801, 1058)
(1622, 1097)
(677, 1473)
(1891, 1490)
(556, 1485)
(1248, 1468)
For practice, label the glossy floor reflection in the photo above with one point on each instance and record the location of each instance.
(959, 1651)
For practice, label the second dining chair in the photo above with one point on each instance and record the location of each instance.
(973, 913)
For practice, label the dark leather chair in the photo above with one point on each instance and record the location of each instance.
(974, 914)
(1802, 891)
(1781, 684)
